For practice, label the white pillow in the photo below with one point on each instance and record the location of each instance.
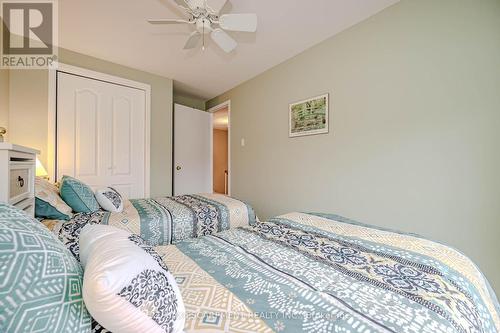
(126, 286)
(109, 199)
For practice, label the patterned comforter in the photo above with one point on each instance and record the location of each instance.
(163, 221)
(323, 273)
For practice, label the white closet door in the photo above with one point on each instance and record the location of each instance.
(192, 151)
(101, 134)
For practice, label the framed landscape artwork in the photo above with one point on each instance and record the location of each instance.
(309, 117)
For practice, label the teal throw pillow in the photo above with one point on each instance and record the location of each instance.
(78, 195)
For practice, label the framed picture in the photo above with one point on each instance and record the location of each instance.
(309, 117)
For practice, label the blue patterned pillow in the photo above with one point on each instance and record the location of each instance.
(78, 195)
(40, 281)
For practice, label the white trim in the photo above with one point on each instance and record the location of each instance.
(215, 109)
(51, 130)
(211, 152)
(52, 103)
(61, 67)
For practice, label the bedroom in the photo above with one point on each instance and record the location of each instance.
(412, 146)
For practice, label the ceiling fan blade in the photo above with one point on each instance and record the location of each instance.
(239, 22)
(183, 3)
(169, 21)
(224, 41)
(193, 40)
(216, 5)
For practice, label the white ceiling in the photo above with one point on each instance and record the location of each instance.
(116, 30)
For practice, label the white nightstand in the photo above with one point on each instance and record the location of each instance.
(17, 176)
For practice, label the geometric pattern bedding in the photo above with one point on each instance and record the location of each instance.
(312, 272)
(167, 220)
(40, 281)
(162, 221)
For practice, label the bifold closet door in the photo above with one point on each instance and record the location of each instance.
(101, 134)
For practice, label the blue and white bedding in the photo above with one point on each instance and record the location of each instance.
(323, 273)
(294, 273)
(163, 221)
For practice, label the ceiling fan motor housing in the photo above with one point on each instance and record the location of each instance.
(196, 3)
(203, 25)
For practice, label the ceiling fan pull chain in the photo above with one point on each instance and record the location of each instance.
(203, 46)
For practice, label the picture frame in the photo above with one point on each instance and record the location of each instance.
(309, 116)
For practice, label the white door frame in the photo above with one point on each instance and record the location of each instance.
(52, 108)
(215, 109)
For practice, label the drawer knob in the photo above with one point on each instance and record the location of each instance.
(20, 181)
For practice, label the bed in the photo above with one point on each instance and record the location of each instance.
(324, 273)
(163, 220)
(293, 273)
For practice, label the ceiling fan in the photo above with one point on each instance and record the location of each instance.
(204, 15)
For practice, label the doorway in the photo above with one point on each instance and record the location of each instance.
(221, 148)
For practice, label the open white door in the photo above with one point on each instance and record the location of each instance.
(192, 151)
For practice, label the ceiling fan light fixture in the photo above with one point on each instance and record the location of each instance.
(204, 14)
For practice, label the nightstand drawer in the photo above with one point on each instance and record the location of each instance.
(28, 205)
(17, 176)
(20, 179)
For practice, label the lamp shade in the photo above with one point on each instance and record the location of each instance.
(40, 169)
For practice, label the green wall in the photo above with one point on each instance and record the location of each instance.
(4, 97)
(28, 111)
(186, 100)
(414, 134)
